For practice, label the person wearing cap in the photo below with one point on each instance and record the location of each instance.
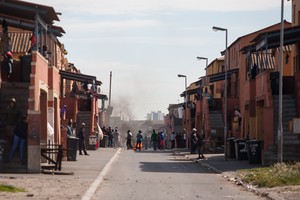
(11, 118)
(81, 136)
(194, 140)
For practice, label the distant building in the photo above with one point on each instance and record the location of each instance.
(155, 116)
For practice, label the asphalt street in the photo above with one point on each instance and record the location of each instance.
(164, 175)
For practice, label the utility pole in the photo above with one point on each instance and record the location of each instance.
(110, 79)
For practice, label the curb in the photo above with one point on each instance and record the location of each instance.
(230, 177)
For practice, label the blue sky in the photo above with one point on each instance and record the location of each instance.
(146, 43)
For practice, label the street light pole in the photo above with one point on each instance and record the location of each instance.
(185, 77)
(280, 128)
(203, 99)
(225, 92)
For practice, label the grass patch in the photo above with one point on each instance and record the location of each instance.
(9, 188)
(280, 174)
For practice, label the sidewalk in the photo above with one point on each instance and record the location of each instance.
(88, 167)
(74, 180)
(228, 169)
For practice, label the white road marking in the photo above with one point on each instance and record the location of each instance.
(92, 189)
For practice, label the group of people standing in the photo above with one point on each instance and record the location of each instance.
(81, 135)
(185, 140)
(112, 137)
(139, 140)
(179, 140)
(158, 139)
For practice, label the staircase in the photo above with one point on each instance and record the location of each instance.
(216, 122)
(291, 141)
(288, 112)
(85, 117)
(291, 147)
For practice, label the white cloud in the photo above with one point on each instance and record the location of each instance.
(104, 26)
(146, 40)
(143, 6)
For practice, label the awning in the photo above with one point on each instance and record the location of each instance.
(102, 96)
(190, 92)
(212, 78)
(79, 77)
(221, 76)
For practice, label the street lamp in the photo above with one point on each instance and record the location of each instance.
(203, 99)
(280, 128)
(185, 77)
(215, 28)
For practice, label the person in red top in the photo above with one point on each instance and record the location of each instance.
(32, 42)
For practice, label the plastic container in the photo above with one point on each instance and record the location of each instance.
(254, 151)
(72, 145)
(241, 152)
(231, 148)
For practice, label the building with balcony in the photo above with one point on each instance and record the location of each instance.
(40, 78)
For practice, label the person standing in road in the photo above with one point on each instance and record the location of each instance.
(194, 141)
(128, 140)
(184, 139)
(178, 140)
(116, 138)
(200, 146)
(162, 140)
(110, 136)
(173, 140)
(154, 139)
(81, 136)
(139, 139)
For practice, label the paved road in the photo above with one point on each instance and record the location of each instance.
(163, 175)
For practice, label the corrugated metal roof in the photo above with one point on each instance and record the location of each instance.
(20, 42)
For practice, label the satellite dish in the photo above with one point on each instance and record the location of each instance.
(98, 90)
